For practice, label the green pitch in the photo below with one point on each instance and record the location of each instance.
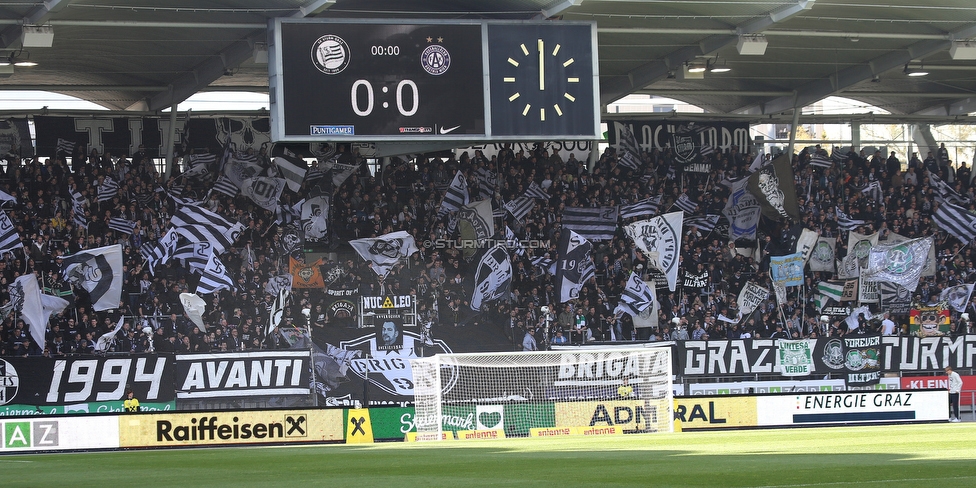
(905, 455)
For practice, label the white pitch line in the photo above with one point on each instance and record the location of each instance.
(863, 482)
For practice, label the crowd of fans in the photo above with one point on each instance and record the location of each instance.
(406, 195)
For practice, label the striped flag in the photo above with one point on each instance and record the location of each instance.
(226, 186)
(161, 251)
(704, 222)
(536, 191)
(647, 207)
(487, 180)
(686, 204)
(628, 148)
(545, 264)
(119, 224)
(66, 146)
(956, 220)
(837, 156)
(593, 223)
(78, 209)
(292, 170)
(107, 190)
(194, 256)
(456, 196)
(520, 207)
(874, 191)
(201, 225)
(844, 222)
(199, 164)
(9, 238)
(831, 289)
(575, 265)
(513, 243)
(214, 277)
(820, 161)
(945, 193)
(637, 295)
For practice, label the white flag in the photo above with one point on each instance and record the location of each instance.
(660, 241)
(99, 272)
(194, 307)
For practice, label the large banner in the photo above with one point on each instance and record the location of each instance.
(15, 138)
(246, 374)
(691, 141)
(83, 385)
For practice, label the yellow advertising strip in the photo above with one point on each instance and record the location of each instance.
(575, 431)
(625, 415)
(468, 435)
(359, 429)
(445, 436)
(552, 431)
(229, 428)
(597, 430)
(715, 412)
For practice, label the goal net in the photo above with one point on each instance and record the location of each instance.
(547, 393)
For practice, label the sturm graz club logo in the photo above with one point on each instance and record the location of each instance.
(823, 253)
(899, 259)
(9, 382)
(390, 248)
(330, 54)
(833, 355)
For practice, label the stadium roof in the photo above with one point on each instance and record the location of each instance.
(148, 55)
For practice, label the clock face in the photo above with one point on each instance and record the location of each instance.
(541, 79)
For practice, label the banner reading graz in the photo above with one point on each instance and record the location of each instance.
(71, 382)
(258, 373)
(685, 138)
(739, 357)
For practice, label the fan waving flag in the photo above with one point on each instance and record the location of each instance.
(637, 295)
(198, 224)
(107, 190)
(214, 277)
(9, 238)
(775, 190)
(957, 296)
(593, 223)
(493, 277)
(520, 207)
(686, 204)
(124, 226)
(575, 265)
(293, 170)
(628, 148)
(456, 196)
(386, 250)
(647, 207)
(263, 191)
(956, 220)
(844, 222)
(945, 193)
(99, 272)
(704, 222)
(162, 251)
(900, 263)
(536, 191)
(34, 307)
(660, 240)
(820, 161)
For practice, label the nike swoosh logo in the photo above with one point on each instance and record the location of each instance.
(448, 131)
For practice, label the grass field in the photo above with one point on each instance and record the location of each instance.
(939, 455)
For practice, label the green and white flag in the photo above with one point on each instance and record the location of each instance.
(929, 269)
(831, 289)
(795, 358)
(900, 263)
(822, 256)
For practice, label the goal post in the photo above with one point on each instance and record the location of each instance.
(585, 391)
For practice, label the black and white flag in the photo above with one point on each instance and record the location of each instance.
(750, 297)
(493, 277)
(822, 257)
(647, 207)
(456, 196)
(214, 277)
(277, 310)
(545, 264)
(160, 252)
(195, 307)
(593, 223)
(660, 240)
(873, 191)
(198, 165)
(845, 223)
(820, 161)
(703, 222)
(513, 243)
(107, 190)
(65, 146)
(225, 186)
(124, 226)
(315, 218)
(475, 226)
(194, 255)
(686, 204)
(956, 220)
(9, 238)
(957, 296)
(637, 295)
(198, 224)
(575, 265)
(34, 307)
(487, 181)
(99, 272)
(774, 188)
(276, 283)
(742, 211)
(520, 207)
(264, 191)
(536, 191)
(385, 251)
(240, 167)
(945, 193)
(293, 170)
(627, 147)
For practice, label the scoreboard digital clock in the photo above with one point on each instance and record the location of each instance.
(390, 80)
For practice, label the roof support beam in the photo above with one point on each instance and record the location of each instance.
(38, 15)
(819, 89)
(648, 73)
(558, 8)
(312, 8)
(960, 106)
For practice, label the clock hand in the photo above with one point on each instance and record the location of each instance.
(542, 67)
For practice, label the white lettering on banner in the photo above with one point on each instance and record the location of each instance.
(243, 374)
(106, 378)
(709, 357)
(403, 301)
(928, 353)
(604, 368)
